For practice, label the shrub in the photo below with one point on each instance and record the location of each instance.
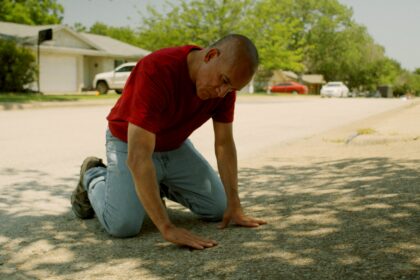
(17, 67)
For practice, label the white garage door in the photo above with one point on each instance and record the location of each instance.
(58, 73)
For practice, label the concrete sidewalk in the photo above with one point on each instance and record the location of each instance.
(5, 106)
(111, 101)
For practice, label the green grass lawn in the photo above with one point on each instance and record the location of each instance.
(27, 98)
(276, 94)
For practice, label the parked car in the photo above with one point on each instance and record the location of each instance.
(114, 79)
(291, 87)
(334, 89)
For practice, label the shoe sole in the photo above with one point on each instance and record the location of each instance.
(77, 207)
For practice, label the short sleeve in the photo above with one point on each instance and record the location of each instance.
(225, 110)
(147, 99)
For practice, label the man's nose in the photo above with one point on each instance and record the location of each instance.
(222, 91)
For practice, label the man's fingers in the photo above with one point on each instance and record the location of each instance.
(248, 224)
(251, 222)
(200, 239)
(260, 222)
(206, 243)
(183, 237)
(198, 242)
(224, 223)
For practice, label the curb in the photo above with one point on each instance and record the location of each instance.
(13, 106)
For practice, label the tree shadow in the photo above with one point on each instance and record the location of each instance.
(342, 219)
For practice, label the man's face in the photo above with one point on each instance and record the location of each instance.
(217, 78)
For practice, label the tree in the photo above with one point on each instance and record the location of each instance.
(409, 82)
(414, 83)
(390, 70)
(203, 22)
(17, 69)
(31, 12)
(335, 45)
(193, 22)
(311, 36)
(326, 27)
(124, 34)
(79, 27)
(273, 34)
(362, 59)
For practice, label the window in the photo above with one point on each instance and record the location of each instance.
(125, 69)
(118, 63)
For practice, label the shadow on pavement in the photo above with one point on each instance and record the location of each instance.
(344, 219)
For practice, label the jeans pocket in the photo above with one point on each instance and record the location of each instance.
(116, 153)
(113, 144)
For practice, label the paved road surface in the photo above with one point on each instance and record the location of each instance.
(43, 148)
(41, 151)
(55, 140)
(260, 123)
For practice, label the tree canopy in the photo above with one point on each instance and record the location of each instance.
(305, 36)
(31, 12)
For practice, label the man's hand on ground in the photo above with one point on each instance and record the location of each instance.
(183, 237)
(237, 217)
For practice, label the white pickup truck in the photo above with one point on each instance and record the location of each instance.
(114, 79)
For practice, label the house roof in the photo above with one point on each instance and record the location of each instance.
(113, 46)
(291, 74)
(313, 79)
(22, 30)
(102, 45)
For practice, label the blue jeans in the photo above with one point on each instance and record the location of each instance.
(183, 175)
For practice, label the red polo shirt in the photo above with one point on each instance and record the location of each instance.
(160, 97)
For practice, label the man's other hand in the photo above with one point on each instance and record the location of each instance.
(237, 217)
(183, 237)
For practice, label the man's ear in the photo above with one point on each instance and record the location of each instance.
(211, 53)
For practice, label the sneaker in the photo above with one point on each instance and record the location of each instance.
(79, 198)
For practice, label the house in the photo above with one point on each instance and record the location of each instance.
(69, 62)
(314, 82)
(280, 76)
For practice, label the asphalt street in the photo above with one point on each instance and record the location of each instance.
(44, 148)
(56, 140)
(315, 194)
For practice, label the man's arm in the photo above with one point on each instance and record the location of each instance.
(227, 164)
(141, 144)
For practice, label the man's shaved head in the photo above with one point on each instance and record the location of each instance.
(226, 66)
(238, 47)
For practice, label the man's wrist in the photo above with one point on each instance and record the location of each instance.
(165, 227)
(234, 202)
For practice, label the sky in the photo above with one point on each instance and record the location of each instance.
(394, 24)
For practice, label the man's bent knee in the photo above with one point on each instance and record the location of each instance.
(213, 213)
(124, 229)
(214, 217)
